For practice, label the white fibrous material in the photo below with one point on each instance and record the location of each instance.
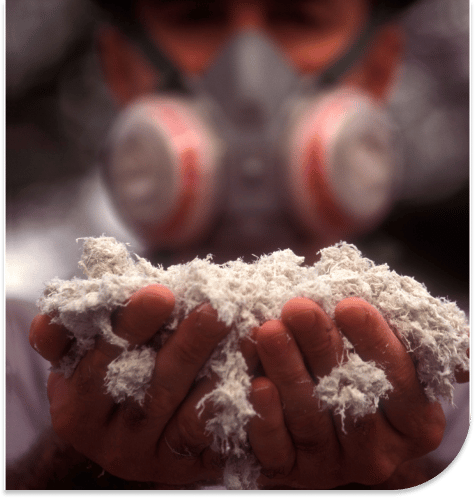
(130, 374)
(433, 330)
(353, 388)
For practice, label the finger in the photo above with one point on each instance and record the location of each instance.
(140, 319)
(365, 442)
(268, 435)
(186, 441)
(50, 340)
(137, 322)
(194, 414)
(183, 355)
(55, 381)
(186, 434)
(177, 365)
(187, 437)
(79, 406)
(83, 430)
(84, 407)
(316, 334)
(406, 407)
(144, 314)
(174, 456)
(248, 348)
(284, 366)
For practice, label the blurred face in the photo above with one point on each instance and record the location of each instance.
(310, 33)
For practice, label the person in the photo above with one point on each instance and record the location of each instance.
(353, 47)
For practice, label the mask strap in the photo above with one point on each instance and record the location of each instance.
(170, 76)
(338, 69)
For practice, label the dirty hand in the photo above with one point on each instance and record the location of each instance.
(301, 445)
(133, 442)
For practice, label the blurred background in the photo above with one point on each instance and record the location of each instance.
(57, 112)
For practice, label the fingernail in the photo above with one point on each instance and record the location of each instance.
(207, 320)
(154, 304)
(275, 344)
(353, 316)
(304, 320)
(263, 396)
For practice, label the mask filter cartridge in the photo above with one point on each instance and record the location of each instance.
(161, 166)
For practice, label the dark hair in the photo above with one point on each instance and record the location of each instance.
(124, 9)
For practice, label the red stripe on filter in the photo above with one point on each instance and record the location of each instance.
(192, 146)
(326, 124)
(324, 204)
(310, 179)
(184, 141)
(187, 197)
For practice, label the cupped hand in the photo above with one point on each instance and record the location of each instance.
(163, 440)
(301, 445)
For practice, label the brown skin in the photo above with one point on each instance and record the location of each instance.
(292, 441)
(297, 444)
(165, 440)
(129, 440)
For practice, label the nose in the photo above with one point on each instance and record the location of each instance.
(247, 15)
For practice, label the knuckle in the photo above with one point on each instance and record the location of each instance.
(114, 463)
(306, 430)
(276, 463)
(103, 353)
(191, 429)
(84, 380)
(322, 347)
(133, 416)
(183, 451)
(294, 377)
(430, 429)
(274, 472)
(376, 470)
(309, 439)
(165, 400)
(190, 353)
(309, 446)
(430, 441)
(363, 426)
(122, 456)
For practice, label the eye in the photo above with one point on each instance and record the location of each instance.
(296, 14)
(195, 14)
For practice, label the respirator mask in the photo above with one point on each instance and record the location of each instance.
(252, 157)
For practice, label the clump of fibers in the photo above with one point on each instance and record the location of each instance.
(130, 374)
(434, 331)
(353, 388)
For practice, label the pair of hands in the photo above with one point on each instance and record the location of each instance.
(298, 444)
